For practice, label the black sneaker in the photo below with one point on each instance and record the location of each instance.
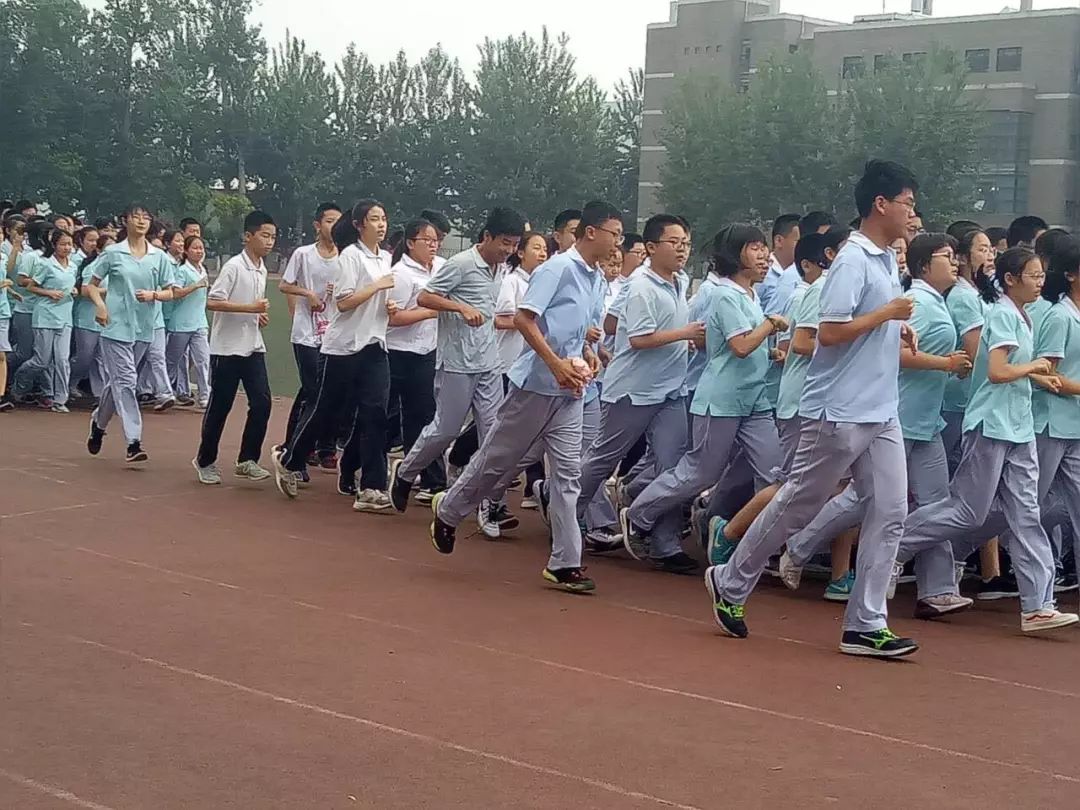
(539, 492)
(504, 517)
(346, 484)
(442, 534)
(1000, 587)
(1063, 583)
(680, 563)
(135, 454)
(569, 579)
(399, 488)
(882, 643)
(94, 440)
(6, 405)
(601, 541)
(729, 617)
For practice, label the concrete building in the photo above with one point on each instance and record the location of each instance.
(1025, 65)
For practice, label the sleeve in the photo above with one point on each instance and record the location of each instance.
(700, 304)
(728, 318)
(101, 266)
(348, 277)
(619, 303)
(403, 288)
(841, 293)
(1053, 334)
(444, 280)
(294, 269)
(640, 312)
(25, 264)
(920, 318)
(165, 274)
(37, 271)
(1000, 330)
(507, 303)
(967, 313)
(808, 313)
(223, 284)
(543, 284)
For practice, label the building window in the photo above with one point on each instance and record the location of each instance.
(1004, 174)
(1072, 212)
(882, 61)
(708, 49)
(685, 51)
(1009, 59)
(914, 57)
(697, 49)
(853, 67)
(792, 48)
(978, 60)
(744, 56)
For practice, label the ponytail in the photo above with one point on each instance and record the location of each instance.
(412, 230)
(1010, 263)
(345, 232)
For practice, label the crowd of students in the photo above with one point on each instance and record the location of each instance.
(887, 403)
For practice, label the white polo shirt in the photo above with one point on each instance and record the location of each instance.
(511, 294)
(311, 271)
(410, 277)
(240, 281)
(349, 332)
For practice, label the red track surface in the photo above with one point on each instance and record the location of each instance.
(169, 645)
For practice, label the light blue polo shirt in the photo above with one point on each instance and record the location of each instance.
(649, 376)
(700, 307)
(49, 274)
(1003, 410)
(805, 314)
(922, 390)
(188, 314)
(767, 288)
(467, 279)
(593, 391)
(83, 313)
(130, 320)
(1037, 310)
(968, 312)
(857, 381)
(784, 291)
(732, 386)
(1058, 338)
(565, 294)
(24, 265)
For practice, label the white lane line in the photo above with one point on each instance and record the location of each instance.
(52, 790)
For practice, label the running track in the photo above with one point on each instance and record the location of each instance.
(166, 645)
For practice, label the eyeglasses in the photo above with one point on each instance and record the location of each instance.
(1034, 276)
(427, 240)
(619, 238)
(950, 256)
(908, 204)
(678, 244)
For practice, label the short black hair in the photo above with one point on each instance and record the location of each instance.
(813, 220)
(1050, 241)
(322, 208)
(503, 221)
(996, 234)
(1024, 229)
(22, 205)
(882, 178)
(922, 249)
(810, 248)
(728, 246)
(784, 224)
(438, 220)
(630, 241)
(655, 225)
(1064, 262)
(104, 222)
(563, 218)
(136, 207)
(188, 221)
(836, 236)
(256, 219)
(961, 227)
(595, 214)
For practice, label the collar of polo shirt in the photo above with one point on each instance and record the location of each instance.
(1070, 305)
(574, 255)
(918, 283)
(409, 261)
(727, 282)
(124, 247)
(1023, 315)
(863, 241)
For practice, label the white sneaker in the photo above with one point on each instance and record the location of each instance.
(1046, 619)
(529, 502)
(371, 500)
(933, 606)
(790, 573)
(251, 471)
(894, 578)
(286, 479)
(210, 475)
(488, 526)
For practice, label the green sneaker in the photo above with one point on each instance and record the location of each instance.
(729, 617)
(839, 590)
(720, 548)
(883, 643)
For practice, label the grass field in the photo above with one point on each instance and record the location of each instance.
(279, 356)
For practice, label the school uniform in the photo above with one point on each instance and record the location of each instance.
(312, 271)
(87, 335)
(356, 375)
(21, 330)
(188, 334)
(130, 331)
(51, 323)
(805, 314)
(767, 288)
(780, 304)
(466, 360)
(565, 294)
(5, 310)
(849, 409)
(237, 355)
(968, 312)
(730, 409)
(412, 355)
(644, 393)
(153, 369)
(999, 466)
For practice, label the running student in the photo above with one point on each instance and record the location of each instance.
(88, 364)
(137, 275)
(464, 292)
(1000, 466)
(308, 283)
(849, 408)
(543, 409)
(238, 353)
(188, 331)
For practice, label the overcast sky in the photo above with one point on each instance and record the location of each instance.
(606, 36)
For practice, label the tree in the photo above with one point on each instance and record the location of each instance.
(624, 131)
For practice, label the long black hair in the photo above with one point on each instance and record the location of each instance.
(345, 232)
(413, 229)
(1064, 263)
(1010, 263)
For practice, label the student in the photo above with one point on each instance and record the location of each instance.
(137, 275)
(785, 235)
(780, 302)
(188, 328)
(153, 382)
(1000, 460)
(999, 238)
(849, 408)
(5, 342)
(26, 243)
(179, 385)
(308, 281)
(543, 409)
(410, 342)
(52, 278)
(442, 229)
(915, 227)
(189, 227)
(356, 374)
(644, 386)
(88, 364)
(564, 231)
(238, 353)
(1023, 231)
(464, 293)
(731, 407)
(85, 244)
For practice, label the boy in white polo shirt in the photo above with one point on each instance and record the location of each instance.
(238, 354)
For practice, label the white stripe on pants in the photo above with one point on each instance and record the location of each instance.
(87, 362)
(121, 360)
(177, 347)
(51, 362)
(526, 420)
(875, 454)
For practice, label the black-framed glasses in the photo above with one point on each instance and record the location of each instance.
(676, 243)
(619, 238)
